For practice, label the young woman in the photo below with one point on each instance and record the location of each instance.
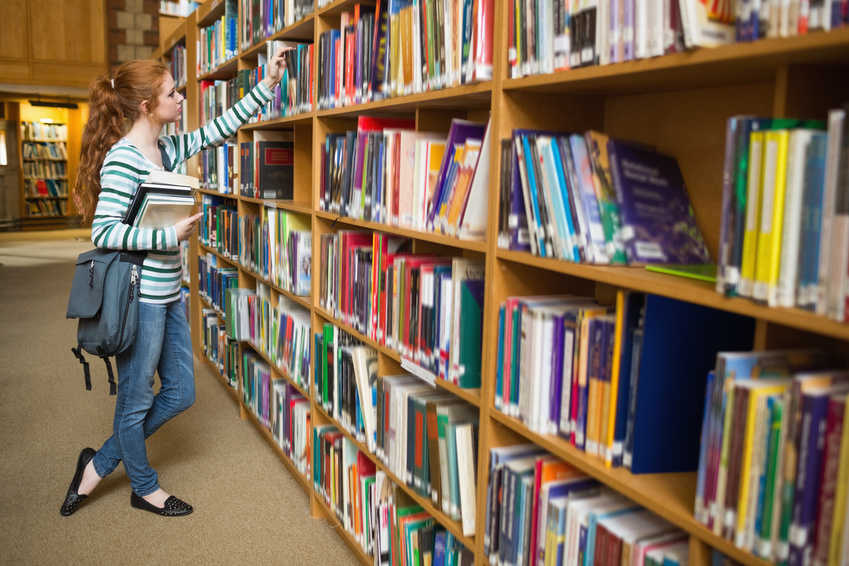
(121, 144)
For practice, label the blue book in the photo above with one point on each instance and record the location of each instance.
(812, 195)
(679, 347)
(439, 548)
(499, 373)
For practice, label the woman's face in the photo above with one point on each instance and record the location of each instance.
(169, 108)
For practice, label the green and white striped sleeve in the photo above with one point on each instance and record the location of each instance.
(120, 176)
(182, 146)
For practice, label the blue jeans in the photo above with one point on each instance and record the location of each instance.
(163, 344)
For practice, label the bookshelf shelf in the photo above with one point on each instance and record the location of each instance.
(208, 12)
(302, 30)
(677, 103)
(352, 543)
(223, 71)
(443, 519)
(741, 63)
(471, 245)
(338, 6)
(303, 482)
(219, 255)
(669, 495)
(474, 96)
(698, 292)
(213, 369)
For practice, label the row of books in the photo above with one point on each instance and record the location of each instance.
(37, 131)
(256, 386)
(623, 384)
(178, 65)
(346, 381)
(45, 169)
(262, 19)
(219, 168)
(427, 308)
(387, 172)
(46, 187)
(281, 331)
(540, 510)
(784, 238)
(595, 199)
(215, 279)
(291, 424)
(345, 478)
(546, 37)
(45, 150)
(774, 463)
(221, 350)
(46, 207)
(425, 436)
(429, 438)
(399, 48)
(407, 534)
(267, 166)
(296, 94)
(180, 8)
(277, 246)
(219, 42)
(384, 520)
(219, 225)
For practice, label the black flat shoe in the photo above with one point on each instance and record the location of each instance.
(173, 507)
(73, 499)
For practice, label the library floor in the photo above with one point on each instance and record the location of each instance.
(248, 509)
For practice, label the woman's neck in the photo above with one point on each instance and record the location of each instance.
(144, 133)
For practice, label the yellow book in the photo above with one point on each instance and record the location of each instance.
(773, 184)
(614, 379)
(841, 495)
(759, 389)
(753, 215)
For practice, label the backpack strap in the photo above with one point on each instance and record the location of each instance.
(166, 161)
(112, 390)
(78, 352)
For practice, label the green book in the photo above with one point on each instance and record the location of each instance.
(471, 327)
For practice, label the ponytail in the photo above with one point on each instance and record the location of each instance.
(113, 108)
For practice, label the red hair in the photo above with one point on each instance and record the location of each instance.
(114, 103)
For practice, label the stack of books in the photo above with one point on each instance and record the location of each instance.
(164, 199)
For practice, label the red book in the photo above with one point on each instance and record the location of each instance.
(828, 477)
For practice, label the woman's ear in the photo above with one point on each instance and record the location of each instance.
(144, 106)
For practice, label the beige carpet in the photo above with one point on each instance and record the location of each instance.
(248, 509)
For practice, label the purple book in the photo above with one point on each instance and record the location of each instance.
(810, 450)
(517, 221)
(460, 131)
(556, 389)
(628, 29)
(658, 225)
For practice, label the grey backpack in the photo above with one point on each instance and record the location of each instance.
(105, 299)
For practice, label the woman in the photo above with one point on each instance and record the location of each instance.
(121, 144)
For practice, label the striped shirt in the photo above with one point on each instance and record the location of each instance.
(124, 168)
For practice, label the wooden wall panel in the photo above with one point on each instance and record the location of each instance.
(14, 43)
(73, 31)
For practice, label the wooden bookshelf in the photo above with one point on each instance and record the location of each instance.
(679, 103)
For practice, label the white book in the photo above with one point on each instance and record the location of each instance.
(825, 296)
(785, 293)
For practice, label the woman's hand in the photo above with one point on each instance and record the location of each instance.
(186, 228)
(276, 67)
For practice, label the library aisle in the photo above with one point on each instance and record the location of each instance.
(205, 456)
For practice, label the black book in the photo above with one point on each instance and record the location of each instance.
(152, 188)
